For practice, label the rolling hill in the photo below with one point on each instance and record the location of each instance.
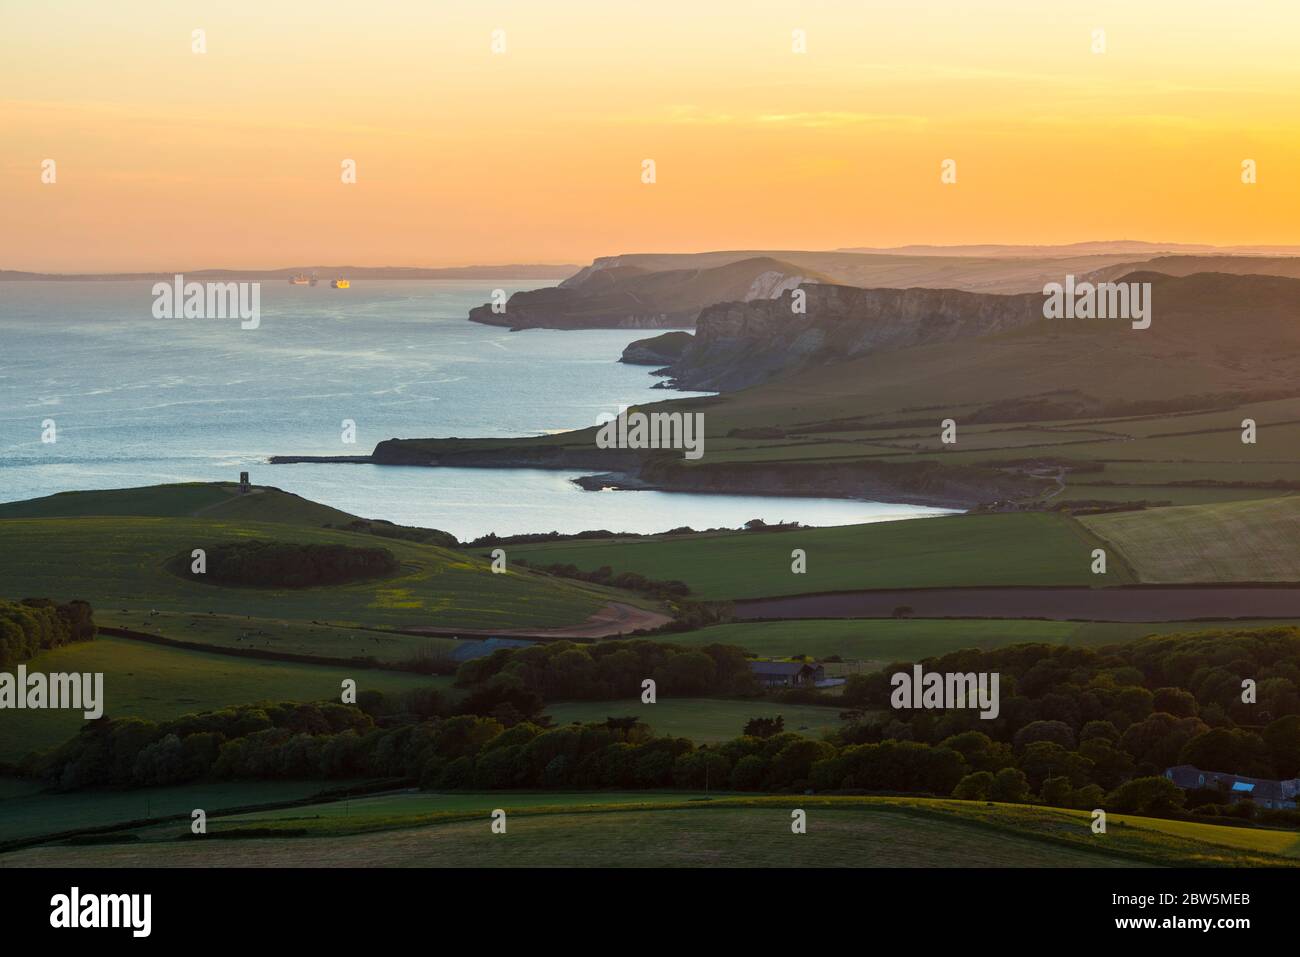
(113, 550)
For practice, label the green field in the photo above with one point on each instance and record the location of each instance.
(157, 682)
(26, 810)
(681, 830)
(280, 635)
(1252, 541)
(703, 720)
(118, 563)
(1025, 548)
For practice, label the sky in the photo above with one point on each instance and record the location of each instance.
(166, 158)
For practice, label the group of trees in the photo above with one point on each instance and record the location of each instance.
(1076, 728)
(35, 624)
(606, 670)
(267, 564)
(463, 751)
(1080, 722)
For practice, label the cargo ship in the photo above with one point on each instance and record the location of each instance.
(298, 280)
(341, 284)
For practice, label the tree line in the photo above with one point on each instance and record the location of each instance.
(33, 625)
(608, 670)
(1080, 722)
(1081, 728)
(463, 751)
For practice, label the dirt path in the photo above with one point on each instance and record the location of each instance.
(614, 619)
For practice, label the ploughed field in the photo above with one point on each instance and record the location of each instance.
(1070, 604)
(871, 645)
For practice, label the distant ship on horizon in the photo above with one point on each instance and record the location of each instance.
(341, 284)
(299, 280)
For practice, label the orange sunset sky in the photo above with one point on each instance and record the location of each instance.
(168, 159)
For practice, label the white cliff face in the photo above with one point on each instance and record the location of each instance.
(597, 265)
(772, 284)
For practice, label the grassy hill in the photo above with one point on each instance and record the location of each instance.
(665, 829)
(998, 549)
(215, 500)
(1250, 541)
(119, 563)
(113, 549)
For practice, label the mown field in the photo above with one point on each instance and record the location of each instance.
(1251, 541)
(703, 720)
(682, 830)
(1024, 548)
(156, 682)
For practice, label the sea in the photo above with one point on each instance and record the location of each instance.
(131, 400)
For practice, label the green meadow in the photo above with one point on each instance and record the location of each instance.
(118, 563)
(1019, 548)
(157, 682)
(281, 635)
(27, 810)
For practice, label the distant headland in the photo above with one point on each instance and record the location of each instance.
(508, 271)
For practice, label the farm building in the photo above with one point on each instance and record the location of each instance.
(1237, 787)
(787, 674)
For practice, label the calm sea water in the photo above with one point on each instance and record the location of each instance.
(138, 400)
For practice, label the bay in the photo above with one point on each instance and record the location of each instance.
(137, 400)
